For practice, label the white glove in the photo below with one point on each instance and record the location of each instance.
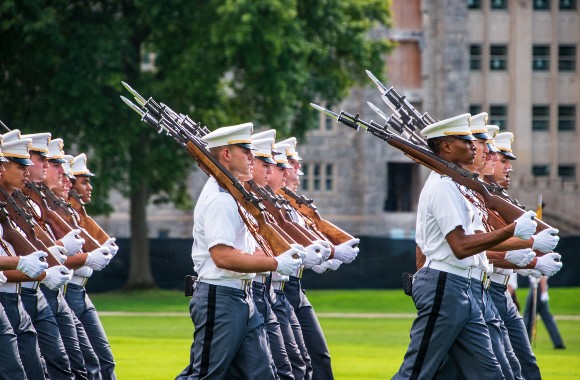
(287, 264)
(525, 225)
(58, 253)
(520, 257)
(548, 265)
(327, 249)
(313, 255)
(110, 244)
(31, 265)
(529, 272)
(98, 259)
(279, 277)
(546, 240)
(84, 272)
(544, 297)
(72, 243)
(332, 264)
(56, 277)
(346, 252)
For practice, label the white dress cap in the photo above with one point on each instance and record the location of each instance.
(477, 125)
(269, 134)
(281, 157)
(13, 135)
(39, 142)
(457, 126)
(240, 134)
(17, 151)
(264, 149)
(55, 152)
(78, 166)
(66, 165)
(292, 153)
(503, 142)
(492, 131)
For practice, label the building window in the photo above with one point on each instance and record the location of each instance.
(498, 115)
(540, 118)
(474, 109)
(541, 58)
(566, 118)
(541, 170)
(473, 4)
(400, 178)
(328, 123)
(498, 57)
(567, 172)
(475, 57)
(318, 177)
(567, 5)
(567, 57)
(542, 5)
(498, 4)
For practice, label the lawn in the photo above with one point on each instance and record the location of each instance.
(150, 346)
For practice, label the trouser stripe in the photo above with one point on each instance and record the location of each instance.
(430, 325)
(209, 325)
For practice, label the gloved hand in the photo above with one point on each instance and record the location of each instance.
(279, 277)
(525, 225)
(331, 264)
(56, 277)
(529, 272)
(58, 253)
(313, 255)
(31, 265)
(546, 240)
(287, 264)
(110, 244)
(548, 265)
(346, 252)
(520, 257)
(98, 259)
(544, 297)
(83, 272)
(72, 243)
(327, 249)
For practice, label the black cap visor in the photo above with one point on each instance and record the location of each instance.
(246, 145)
(57, 160)
(21, 161)
(465, 137)
(482, 136)
(509, 155)
(267, 160)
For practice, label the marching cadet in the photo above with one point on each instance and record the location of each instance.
(75, 293)
(229, 337)
(449, 321)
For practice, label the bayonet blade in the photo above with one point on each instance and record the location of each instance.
(4, 126)
(141, 100)
(132, 106)
(324, 110)
(380, 86)
(378, 111)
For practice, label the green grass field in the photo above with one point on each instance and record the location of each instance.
(148, 345)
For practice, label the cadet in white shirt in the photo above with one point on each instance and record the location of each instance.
(229, 338)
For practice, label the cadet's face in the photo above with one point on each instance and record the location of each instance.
(462, 152)
(83, 186)
(481, 151)
(241, 162)
(491, 158)
(15, 176)
(62, 191)
(54, 175)
(261, 171)
(293, 179)
(278, 177)
(501, 172)
(38, 170)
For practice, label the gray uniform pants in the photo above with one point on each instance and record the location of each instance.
(514, 323)
(311, 330)
(449, 322)
(229, 341)
(80, 303)
(275, 338)
(543, 309)
(25, 334)
(11, 367)
(49, 339)
(293, 338)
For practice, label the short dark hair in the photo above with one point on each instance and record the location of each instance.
(435, 143)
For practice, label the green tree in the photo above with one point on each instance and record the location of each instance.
(221, 62)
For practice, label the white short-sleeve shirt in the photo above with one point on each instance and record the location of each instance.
(441, 209)
(216, 220)
(3, 278)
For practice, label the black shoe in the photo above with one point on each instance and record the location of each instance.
(560, 347)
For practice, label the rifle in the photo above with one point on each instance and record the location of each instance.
(85, 221)
(268, 235)
(507, 210)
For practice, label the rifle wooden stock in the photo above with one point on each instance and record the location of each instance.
(20, 244)
(276, 242)
(88, 223)
(334, 234)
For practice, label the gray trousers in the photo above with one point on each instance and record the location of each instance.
(11, 367)
(80, 303)
(311, 330)
(67, 324)
(514, 323)
(229, 341)
(281, 362)
(449, 322)
(293, 338)
(543, 309)
(49, 339)
(25, 334)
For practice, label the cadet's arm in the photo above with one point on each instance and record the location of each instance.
(464, 245)
(226, 257)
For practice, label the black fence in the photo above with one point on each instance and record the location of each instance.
(378, 266)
